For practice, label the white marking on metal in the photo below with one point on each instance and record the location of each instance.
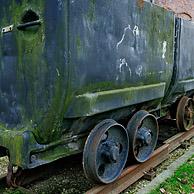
(164, 49)
(139, 70)
(123, 36)
(123, 62)
(89, 95)
(58, 74)
(7, 29)
(60, 5)
(136, 31)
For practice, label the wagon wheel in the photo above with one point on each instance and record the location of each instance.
(143, 134)
(185, 114)
(105, 152)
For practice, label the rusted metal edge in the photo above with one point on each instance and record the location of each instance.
(135, 172)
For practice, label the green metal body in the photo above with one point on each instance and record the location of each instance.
(66, 65)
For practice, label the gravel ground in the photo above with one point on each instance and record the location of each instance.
(3, 165)
(69, 181)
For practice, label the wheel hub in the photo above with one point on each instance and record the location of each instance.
(184, 114)
(144, 135)
(110, 152)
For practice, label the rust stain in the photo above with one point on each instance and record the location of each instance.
(140, 3)
(182, 8)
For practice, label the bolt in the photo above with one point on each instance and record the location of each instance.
(33, 158)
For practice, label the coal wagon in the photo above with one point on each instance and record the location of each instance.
(72, 73)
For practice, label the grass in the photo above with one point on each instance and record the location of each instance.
(11, 191)
(182, 182)
(20, 190)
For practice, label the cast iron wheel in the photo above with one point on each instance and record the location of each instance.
(143, 134)
(105, 152)
(185, 114)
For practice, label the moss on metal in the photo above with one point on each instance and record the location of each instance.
(91, 10)
(89, 104)
(157, 32)
(45, 118)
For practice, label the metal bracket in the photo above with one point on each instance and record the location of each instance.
(7, 29)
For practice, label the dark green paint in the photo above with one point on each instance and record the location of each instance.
(68, 74)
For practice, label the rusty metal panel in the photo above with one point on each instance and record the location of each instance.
(183, 8)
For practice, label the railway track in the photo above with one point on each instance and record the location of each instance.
(133, 173)
(130, 175)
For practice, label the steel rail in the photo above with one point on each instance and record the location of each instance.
(133, 173)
